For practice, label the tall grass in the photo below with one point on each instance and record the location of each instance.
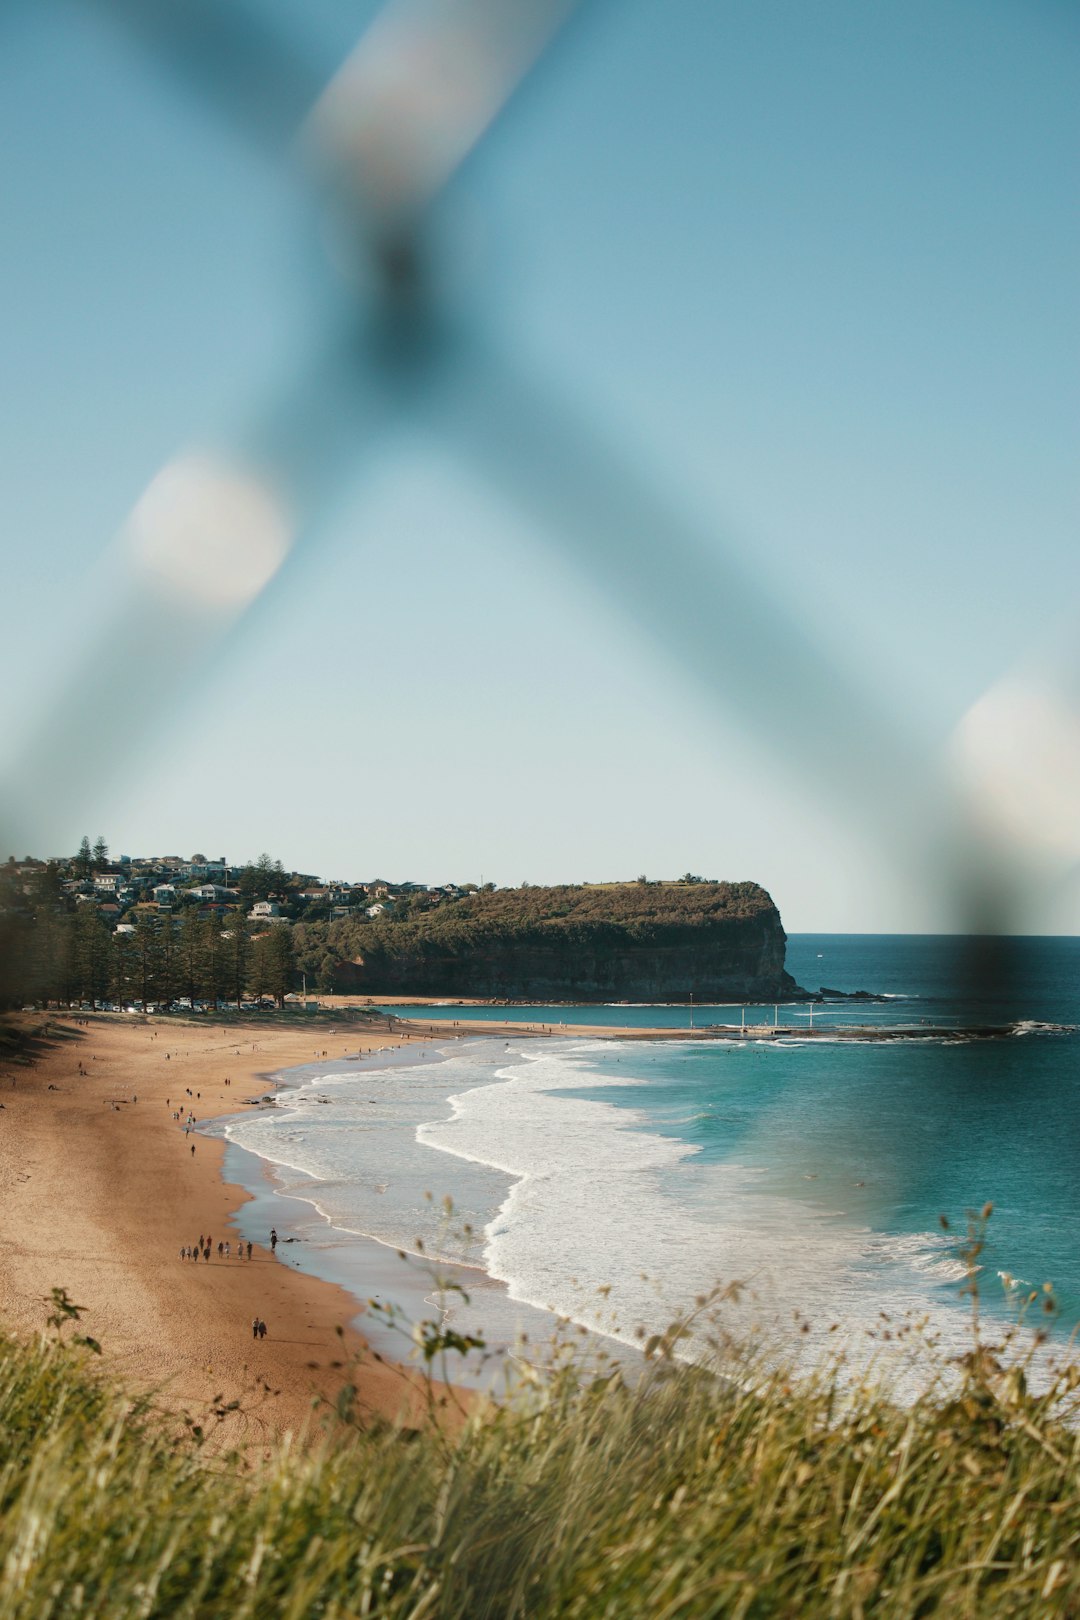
(685, 1494)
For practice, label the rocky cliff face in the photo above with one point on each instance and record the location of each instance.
(720, 942)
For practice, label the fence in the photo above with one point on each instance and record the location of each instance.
(381, 143)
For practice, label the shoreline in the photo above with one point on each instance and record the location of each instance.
(390, 1271)
(101, 1189)
(100, 1192)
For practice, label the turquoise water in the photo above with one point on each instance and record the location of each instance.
(890, 1136)
(612, 1181)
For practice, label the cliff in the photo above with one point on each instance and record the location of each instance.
(603, 942)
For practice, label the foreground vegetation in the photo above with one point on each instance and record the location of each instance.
(686, 1495)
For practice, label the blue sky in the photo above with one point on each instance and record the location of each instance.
(813, 267)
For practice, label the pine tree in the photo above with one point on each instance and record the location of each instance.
(84, 860)
(101, 853)
(272, 968)
(51, 956)
(124, 969)
(191, 957)
(215, 957)
(16, 978)
(168, 982)
(91, 955)
(146, 956)
(237, 964)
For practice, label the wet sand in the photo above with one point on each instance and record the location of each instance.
(100, 1191)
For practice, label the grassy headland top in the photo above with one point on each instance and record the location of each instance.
(616, 904)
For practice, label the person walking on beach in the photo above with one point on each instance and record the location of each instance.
(249, 1249)
(262, 1328)
(273, 1240)
(254, 1327)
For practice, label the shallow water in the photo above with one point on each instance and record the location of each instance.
(814, 1172)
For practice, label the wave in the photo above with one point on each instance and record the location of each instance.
(594, 1228)
(583, 1205)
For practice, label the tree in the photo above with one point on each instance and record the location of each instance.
(191, 957)
(258, 881)
(123, 968)
(168, 962)
(215, 959)
(46, 889)
(50, 956)
(146, 955)
(101, 853)
(236, 943)
(91, 955)
(272, 968)
(84, 860)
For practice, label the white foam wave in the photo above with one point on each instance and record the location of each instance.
(594, 1229)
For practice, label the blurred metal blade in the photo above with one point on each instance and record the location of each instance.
(233, 57)
(420, 90)
(203, 542)
(683, 588)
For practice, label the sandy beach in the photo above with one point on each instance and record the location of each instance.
(100, 1191)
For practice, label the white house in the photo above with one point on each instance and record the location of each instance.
(262, 909)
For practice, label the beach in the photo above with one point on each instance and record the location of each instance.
(101, 1191)
(606, 1174)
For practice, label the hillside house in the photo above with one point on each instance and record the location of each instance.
(213, 892)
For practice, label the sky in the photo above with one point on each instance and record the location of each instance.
(800, 279)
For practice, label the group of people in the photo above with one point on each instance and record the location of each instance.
(258, 1328)
(192, 1251)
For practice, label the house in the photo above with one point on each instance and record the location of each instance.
(124, 928)
(374, 911)
(108, 882)
(164, 894)
(211, 891)
(341, 911)
(262, 910)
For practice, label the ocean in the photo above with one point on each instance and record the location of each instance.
(614, 1182)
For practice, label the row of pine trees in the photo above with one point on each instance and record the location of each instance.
(69, 958)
